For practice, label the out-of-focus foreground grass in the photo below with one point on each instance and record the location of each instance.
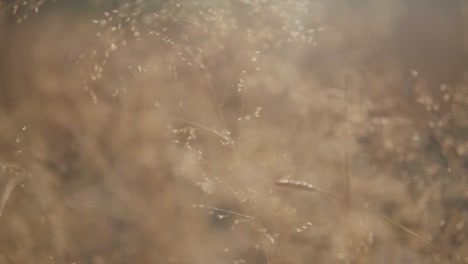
(154, 131)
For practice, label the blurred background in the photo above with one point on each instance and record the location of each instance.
(155, 131)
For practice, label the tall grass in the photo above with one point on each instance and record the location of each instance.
(182, 131)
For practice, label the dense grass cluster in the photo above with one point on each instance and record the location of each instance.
(187, 131)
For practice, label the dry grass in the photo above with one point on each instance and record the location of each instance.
(157, 131)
